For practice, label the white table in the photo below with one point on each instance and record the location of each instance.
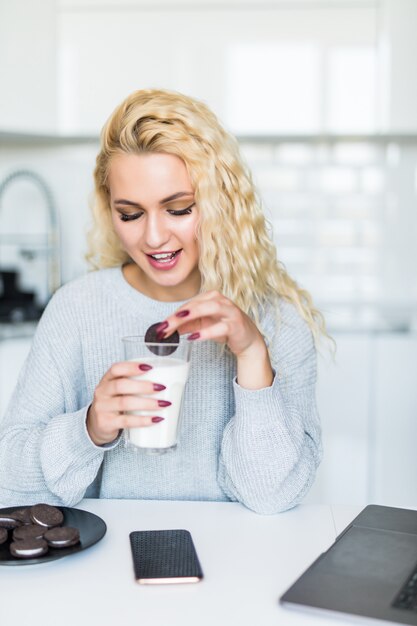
(248, 561)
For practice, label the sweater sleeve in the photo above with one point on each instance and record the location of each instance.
(46, 454)
(272, 445)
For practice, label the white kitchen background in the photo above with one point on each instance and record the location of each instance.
(323, 98)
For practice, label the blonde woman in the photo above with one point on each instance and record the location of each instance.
(178, 237)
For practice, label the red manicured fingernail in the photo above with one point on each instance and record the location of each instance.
(144, 367)
(193, 336)
(182, 313)
(161, 327)
(164, 403)
(158, 387)
(156, 420)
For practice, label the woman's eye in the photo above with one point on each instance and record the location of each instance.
(128, 217)
(185, 211)
(125, 217)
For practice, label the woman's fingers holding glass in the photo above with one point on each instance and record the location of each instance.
(126, 369)
(105, 427)
(125, 403)
(129, 386)
(138, 421)
(121, 391)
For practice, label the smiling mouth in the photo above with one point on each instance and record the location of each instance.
(164, 257)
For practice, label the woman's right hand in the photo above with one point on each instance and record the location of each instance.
(116, 393)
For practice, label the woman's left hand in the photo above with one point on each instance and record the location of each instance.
(213, 316)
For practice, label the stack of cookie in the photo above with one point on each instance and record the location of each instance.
(35, 529)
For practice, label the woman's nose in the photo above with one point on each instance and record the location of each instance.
(156, 233)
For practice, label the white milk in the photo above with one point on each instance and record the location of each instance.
(172, 373)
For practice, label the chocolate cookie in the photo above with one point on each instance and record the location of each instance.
(8, 521)
(29, 549)
(22, 515)
(152, 338)
(62, 537)
(3, 535)
(46, 515)
(34, 531)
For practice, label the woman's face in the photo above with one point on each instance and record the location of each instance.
(155, 218)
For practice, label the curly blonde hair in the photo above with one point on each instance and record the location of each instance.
(237, 255)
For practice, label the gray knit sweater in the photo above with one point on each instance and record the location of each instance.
(259, 447)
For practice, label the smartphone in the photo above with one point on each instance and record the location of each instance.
(164, 556)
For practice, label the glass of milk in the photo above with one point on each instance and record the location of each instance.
(170, 366)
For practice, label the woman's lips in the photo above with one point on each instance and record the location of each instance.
(163, 264)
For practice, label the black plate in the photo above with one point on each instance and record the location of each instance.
(92, 528)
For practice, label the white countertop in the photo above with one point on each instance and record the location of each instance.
(248, 561)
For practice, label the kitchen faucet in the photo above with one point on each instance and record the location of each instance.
(53, 242)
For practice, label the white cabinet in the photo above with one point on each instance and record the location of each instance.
(65, 65)
(347, 67)
(367, 400)
(28, 65)
(264, 68)
(397, 59)
(343, 398)
(394, 423)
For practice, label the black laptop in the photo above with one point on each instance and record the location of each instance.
(369, 572)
